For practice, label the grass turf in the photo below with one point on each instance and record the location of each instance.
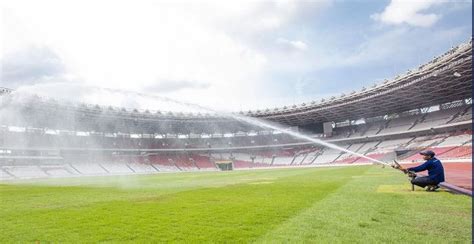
(323, 205)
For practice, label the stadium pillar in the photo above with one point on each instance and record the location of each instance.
(327, 129)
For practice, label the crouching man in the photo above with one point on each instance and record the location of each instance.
(435, 172)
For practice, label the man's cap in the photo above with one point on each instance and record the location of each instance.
(428, 153)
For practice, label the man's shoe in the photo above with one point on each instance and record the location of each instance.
(432, 188)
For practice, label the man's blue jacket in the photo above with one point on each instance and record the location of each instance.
(434, 167)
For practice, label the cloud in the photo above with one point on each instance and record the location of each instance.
(165, 86)
(252, 17)
(130, 45)
(227, 55)
(393, 47)
(30, 66)
(408, 12)
(298, 45)
(153, 46)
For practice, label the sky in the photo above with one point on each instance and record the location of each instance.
(227, 55)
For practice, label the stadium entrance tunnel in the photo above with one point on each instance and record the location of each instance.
(225, 165)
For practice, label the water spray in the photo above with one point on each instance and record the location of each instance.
(259, 123)
(246, 119)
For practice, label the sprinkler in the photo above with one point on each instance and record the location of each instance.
(410, 174)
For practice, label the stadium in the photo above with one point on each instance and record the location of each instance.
(390, 120)
(236, 122)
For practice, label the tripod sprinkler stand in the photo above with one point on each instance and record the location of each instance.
(411, 174)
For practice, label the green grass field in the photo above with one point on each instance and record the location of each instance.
(318, 205)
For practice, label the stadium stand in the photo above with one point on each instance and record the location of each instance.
(26, 172)
(462, 152)
(437, 118)
(401, 124)
(114, 167)
(281, 160)
(142, 168)
(203, 162)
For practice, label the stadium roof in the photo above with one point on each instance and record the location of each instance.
(446, 78)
